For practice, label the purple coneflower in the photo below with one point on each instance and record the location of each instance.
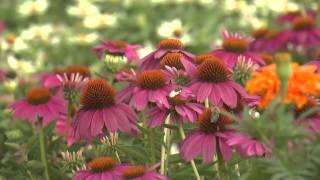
(235, 45)
(168, 49)
(140, 173)
(149, 86)
(51, 80)
(39, 104)
(204, 141)
(289, 16)
(181, 107)
(99, 111)
(72, 82)
(101, 168)
(247, 146)
(117, 48)
(211, 79)
(269, 40)
(125, 75)
(304, 32)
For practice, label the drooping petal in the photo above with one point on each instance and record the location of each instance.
(208, 147)
(191, 146)
(190, 68)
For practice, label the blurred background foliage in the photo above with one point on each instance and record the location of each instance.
(60, 32)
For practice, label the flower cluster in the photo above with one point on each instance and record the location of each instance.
(123, 113)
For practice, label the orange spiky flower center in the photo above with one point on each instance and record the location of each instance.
(272, 33)
(172, 59)
(39, 95)
(97, 94)
(177, 100)
(170, 44)
(260, 33)
(78, 68)
(235, 45)
(213, 70)
(59, 70)
(133, 172)
(208, 124)
(268, 58)
(303, 23)
(201, 57)
(120, 44)
(101, 164)
(151, 79)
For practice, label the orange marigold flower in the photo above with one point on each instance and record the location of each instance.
(303, 84)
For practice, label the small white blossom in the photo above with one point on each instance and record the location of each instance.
(99, 21)
(14, 43)
(33, 7)
(38, 32)
(20, 66)
(174, 29)
(84, 38)
(147, 48)
(83, 9)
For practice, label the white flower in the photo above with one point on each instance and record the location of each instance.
(99, 21)
(33, 7)
(10, 85)
(37, 32)
(11, 42)
(84, 38)
(82, 9)
(174, 29)
(147, 48)
(207, 2)
(159, 1)
(21, 67)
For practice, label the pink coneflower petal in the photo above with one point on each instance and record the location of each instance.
(139, 100)
(157, 117)
(208, 147)
(110, 120)
(151, 86)
(190, 68)
(225, 149)
(191, 146)
(117, 47)
(39, 104)
(100, 110)
(152, 60)
(204, 91)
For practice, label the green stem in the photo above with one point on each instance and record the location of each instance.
(117, 155)
(193, 164)
(43, 152)
(221, 164)
(68, 121)
(30, 175)
(152, 145)
(237, 169)
(164, 148)
(216, 166)
(168, 147)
